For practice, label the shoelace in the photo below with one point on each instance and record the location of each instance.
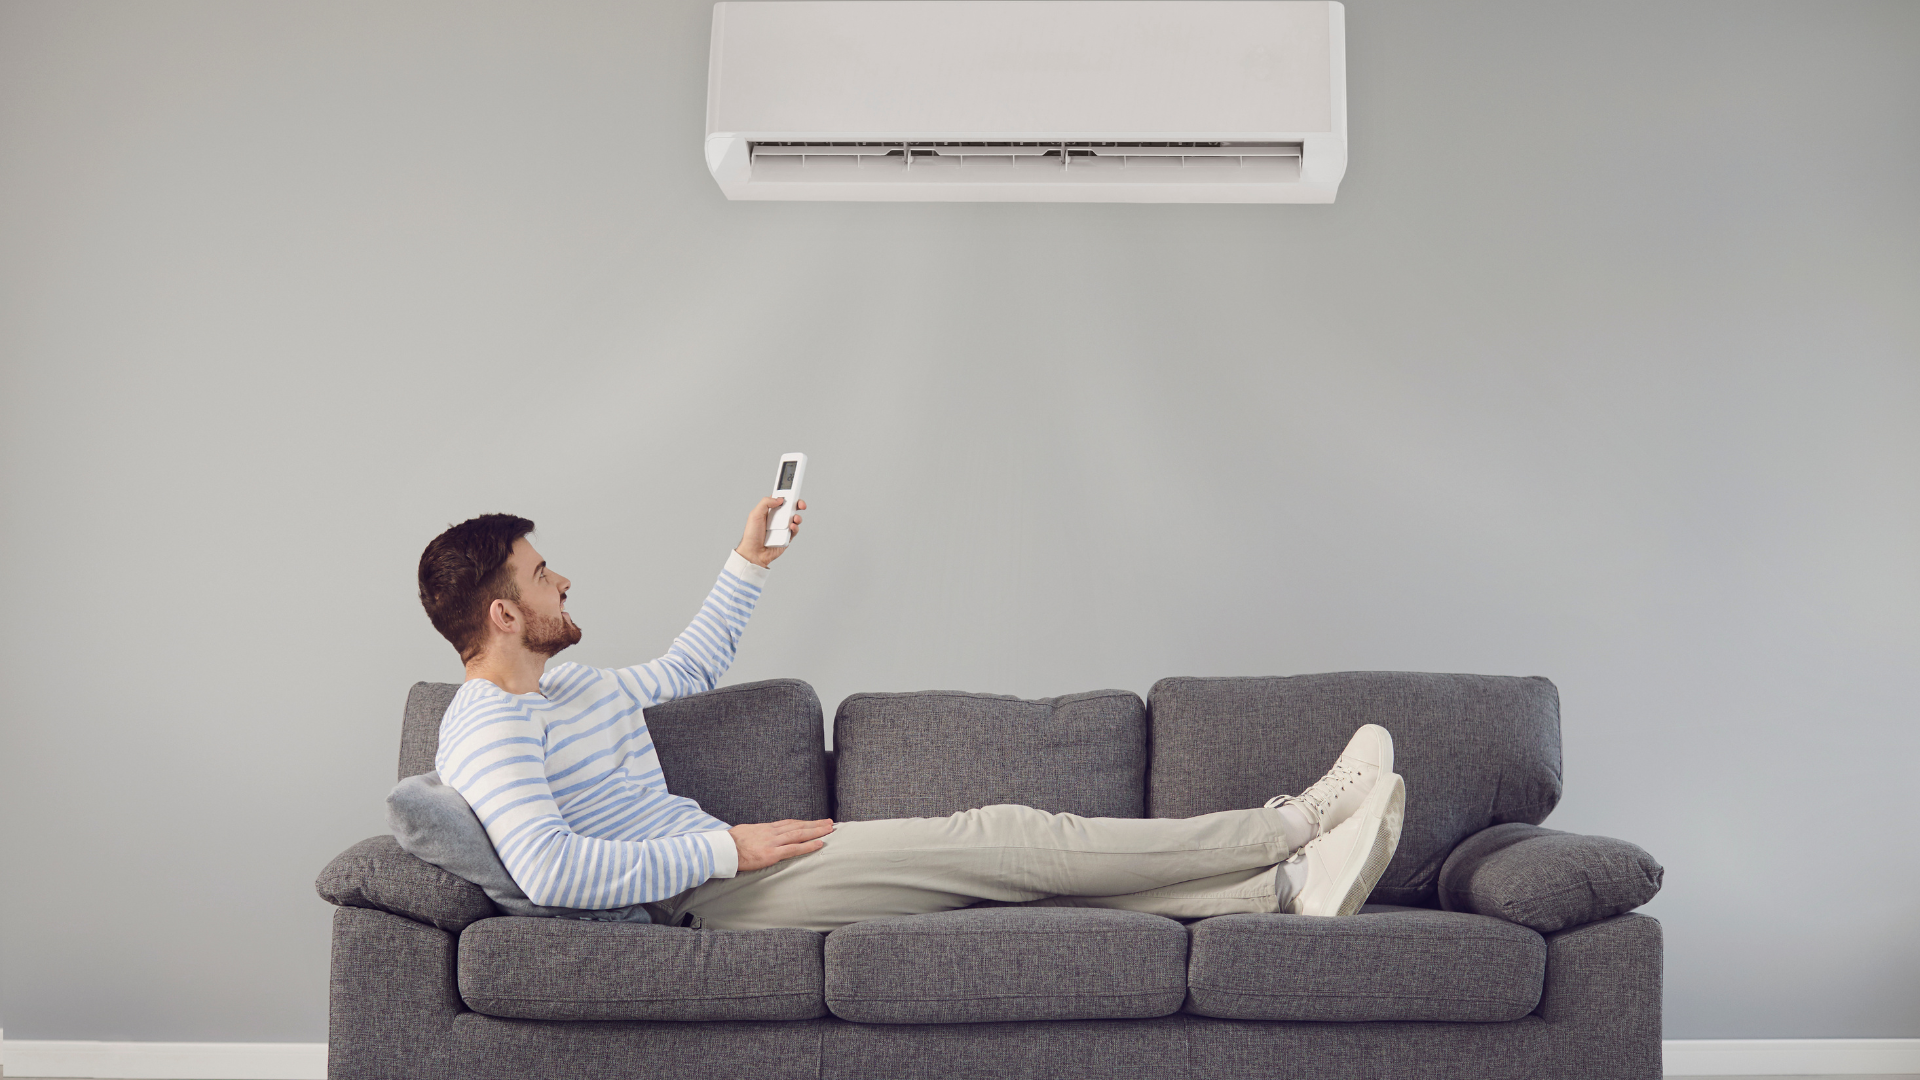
(1319, 798)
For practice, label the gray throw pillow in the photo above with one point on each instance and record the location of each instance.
(1547, 880)
(434, 823)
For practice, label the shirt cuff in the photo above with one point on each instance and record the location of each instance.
(741, 568)
(726, 857)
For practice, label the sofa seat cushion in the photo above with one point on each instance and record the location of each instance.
(978, 965)
(1383, 964)
(561, 969)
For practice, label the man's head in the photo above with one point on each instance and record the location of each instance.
(482, 582)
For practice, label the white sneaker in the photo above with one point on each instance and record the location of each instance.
(1345, 864)
(1334, 797)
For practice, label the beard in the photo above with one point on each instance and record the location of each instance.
(546, 637)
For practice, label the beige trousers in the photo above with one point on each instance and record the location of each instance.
(1183, 868)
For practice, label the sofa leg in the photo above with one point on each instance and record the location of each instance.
(1602, 1000)
(393, 998)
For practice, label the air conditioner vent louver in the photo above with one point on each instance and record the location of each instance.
(1029, 149)
(1018, 162)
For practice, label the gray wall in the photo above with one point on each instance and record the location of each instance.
(1605, 367)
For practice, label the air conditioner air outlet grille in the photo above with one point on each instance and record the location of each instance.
(1010, 161)
(1059, 151)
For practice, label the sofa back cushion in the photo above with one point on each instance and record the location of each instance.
(1476, 751)
(420, 725)
(748, 753)
(937, 752)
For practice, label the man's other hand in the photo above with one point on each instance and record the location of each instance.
(753, 545)
(763, 845)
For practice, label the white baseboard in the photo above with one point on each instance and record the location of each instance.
(1791, 1057)
(164, 1061)
(308, 1061)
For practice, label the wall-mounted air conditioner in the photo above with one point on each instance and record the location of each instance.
(1029, 100)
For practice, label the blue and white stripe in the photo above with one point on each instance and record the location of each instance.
(566, 781)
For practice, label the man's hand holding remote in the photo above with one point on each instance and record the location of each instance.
(753, 546)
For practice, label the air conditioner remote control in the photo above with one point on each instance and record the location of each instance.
(786, 485)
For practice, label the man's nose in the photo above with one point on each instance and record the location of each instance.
(565, 584)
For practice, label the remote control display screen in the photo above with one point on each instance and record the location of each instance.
(786, 475)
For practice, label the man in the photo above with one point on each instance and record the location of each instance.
(558, 766)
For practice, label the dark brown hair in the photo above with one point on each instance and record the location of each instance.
(463, 571)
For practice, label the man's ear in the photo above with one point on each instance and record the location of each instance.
(503, 615)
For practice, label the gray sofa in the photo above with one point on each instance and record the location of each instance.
(1492, 949)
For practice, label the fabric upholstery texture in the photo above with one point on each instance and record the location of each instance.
(748, 753)
(980, 965)
(1276, 1050)
(420, 725)
(1602, 1001)
(934, 753)
(556, 969)
(491, 1048)
(376, 873)
(1476, 751)
(434, 823)
(1149, 1049)
(1383, 964)
(1547, 880)
(391, 999)
(1178, 1047)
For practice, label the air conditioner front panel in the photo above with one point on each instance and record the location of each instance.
(995, 66)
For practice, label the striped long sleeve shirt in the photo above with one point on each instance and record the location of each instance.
(566, 780)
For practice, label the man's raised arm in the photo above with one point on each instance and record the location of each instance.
(705, 649)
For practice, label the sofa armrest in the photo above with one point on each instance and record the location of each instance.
(1546, 880)
(377, 873)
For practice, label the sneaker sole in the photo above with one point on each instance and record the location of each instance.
(1386, 839)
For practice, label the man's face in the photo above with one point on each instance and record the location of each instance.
(543, 602)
